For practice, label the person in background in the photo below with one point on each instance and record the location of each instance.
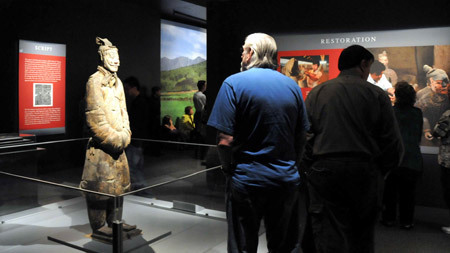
(137, 108)
(168, 130)
(389, 74)
(138, 115)
(352, 139)
(200, 116)
(441, 131)
(313, 76)
(376, 77)
(400, 185)
(187, 124)
(261, 121)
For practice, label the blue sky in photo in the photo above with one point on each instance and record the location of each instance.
(178, 41)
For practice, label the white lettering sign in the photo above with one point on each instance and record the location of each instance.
(348, 40)
(43, 48)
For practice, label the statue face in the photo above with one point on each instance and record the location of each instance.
(438, 86)
(111, 60)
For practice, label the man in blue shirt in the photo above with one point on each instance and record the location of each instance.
(261, 121)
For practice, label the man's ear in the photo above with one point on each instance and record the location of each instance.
(249, 55)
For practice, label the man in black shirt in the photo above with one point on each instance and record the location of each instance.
(353, 137)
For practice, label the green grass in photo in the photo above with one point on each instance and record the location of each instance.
(173, 104)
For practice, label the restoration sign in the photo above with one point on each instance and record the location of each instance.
(42, 87)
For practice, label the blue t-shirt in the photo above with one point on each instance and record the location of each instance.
(263, 110)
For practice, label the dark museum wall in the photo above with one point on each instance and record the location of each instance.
(229, 22)
(132, 25)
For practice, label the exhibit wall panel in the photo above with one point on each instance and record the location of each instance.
(42, 86)
(183, 64)
(133, 26)
(407, 51)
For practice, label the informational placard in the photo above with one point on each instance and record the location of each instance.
(42, 87)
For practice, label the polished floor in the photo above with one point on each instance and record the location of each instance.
(30, 212)
(200, 232)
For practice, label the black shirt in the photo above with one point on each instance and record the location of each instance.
(352, 117)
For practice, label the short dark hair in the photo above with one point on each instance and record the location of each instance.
(405, 95)
(377, 67)
(187, 109)
(201, 84)
(166, 120)
(132, 81)
(352, 57)
(317, 62)
(155, 89)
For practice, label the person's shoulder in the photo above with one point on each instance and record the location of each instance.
(375, 88)
(235, 77)
(242, 77)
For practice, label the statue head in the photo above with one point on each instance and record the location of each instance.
(437, 79)
(109, 54)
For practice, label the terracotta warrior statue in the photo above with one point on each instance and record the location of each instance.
(106, 165)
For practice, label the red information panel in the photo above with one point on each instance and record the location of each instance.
(42, 88)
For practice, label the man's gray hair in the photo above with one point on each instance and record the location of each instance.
(264, 50)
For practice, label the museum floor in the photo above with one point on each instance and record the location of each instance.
(28, 231)
(43, 211)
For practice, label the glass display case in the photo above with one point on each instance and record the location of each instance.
(177, 199)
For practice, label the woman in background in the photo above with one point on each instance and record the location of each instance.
(168, 130)
(400, 185)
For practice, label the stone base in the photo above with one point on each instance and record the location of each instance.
(104, 234)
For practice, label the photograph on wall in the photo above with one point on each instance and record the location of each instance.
(42, 87)
(308, 68)
(183, 64)
(414, 56)
(43, 94)
(413, 65)
(307, 71)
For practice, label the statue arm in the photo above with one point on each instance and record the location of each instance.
(126, 132)
(102, 131)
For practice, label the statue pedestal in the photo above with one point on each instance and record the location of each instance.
(105, 234)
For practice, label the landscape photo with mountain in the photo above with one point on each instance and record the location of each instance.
(183, 64)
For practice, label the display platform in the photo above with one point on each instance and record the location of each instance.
(28, 231)
(172, 171)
